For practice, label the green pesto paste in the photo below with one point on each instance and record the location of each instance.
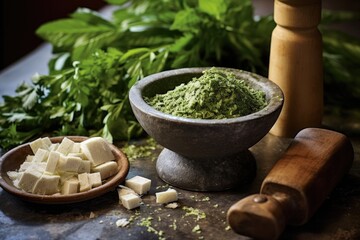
(217, 94)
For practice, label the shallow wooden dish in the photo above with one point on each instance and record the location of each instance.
(14, 158)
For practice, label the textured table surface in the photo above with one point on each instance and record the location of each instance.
(338, 218)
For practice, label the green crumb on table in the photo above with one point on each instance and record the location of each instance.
(196, 229)
(190, 211)
(147, 222)
(173, 225)
(217, 94)
(205, 199)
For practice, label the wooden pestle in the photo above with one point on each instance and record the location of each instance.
(296, 186)
(296, 65)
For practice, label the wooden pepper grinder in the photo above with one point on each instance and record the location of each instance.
(296, 65)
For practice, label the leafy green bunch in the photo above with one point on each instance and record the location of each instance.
(96, 61)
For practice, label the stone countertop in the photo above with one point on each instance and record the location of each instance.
(338, 217)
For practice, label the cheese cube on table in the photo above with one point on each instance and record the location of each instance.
(94, 179)
(28, 179)
(106, 170)
(47, 184)
(65, 146)
(139, 184)
(70, 186)
(130, 201)
(84, 182)
(122, 191)
(52, 162)
(97, 150)
(167, 196)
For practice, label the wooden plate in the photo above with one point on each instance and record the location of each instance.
(12, 160)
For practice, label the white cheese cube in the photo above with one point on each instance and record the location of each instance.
(54, 146)
(84, 167)
(38, 144)
(39, 166)
(107, 169)
(70, 186)
(47, 184)
(52, 162)
(28, 179)
(64, 176)
(94, 179)
(13, 175)
(139, 184)
(76, 148)
(16, 181)
(130, 201)
(41, 155)
(97, 150)
(24, 166)
(122, 191)
(29, 158)
(84, 182)
(80, 155)
(47, 141)
(167, 196)
(65, 146)
(69, 164)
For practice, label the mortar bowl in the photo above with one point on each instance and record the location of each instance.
(204, 154)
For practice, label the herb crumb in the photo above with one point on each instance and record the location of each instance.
(197, 229)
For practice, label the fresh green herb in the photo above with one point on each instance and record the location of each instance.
(217, 94)
(96, 61)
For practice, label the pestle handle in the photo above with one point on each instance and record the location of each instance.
(258, 216)
(296, 186)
